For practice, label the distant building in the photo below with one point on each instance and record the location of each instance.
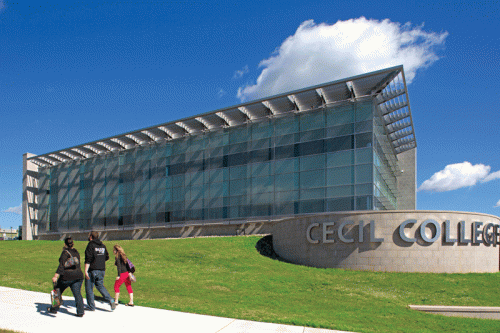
(347, 145)
(8, 234)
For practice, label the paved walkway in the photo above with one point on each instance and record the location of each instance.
(26, 311)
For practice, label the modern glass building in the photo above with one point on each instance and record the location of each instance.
(341, 146)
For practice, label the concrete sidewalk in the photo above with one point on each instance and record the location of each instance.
(26, 311)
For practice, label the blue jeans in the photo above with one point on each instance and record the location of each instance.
(97, 279)
(76, 287)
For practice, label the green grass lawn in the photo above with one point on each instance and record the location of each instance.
(228, 277)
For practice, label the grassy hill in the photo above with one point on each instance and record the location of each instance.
(226, 276)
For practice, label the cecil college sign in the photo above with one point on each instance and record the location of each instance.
(398, 241)
(480, 232)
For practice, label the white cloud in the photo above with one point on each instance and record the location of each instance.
(240, 72)
(319, 53)
(15, 210)
(491, 176)
(498, 204)
(455, 176)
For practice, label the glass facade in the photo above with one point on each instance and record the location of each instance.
(335, 158)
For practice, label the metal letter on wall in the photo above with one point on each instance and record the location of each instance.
(476, 232)
(402, 231)
(447, 233)
(372, 234)
(489, 236)
(308, 233)
(361, 226)
(496, 233)
(327, 232)
(340, 232)
(461, 226)
(422, 231)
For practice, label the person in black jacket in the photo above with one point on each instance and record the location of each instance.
(70, 276)
(96, 256)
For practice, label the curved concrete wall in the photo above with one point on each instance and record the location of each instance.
(397, 241)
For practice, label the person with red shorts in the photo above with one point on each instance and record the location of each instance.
(123, 274)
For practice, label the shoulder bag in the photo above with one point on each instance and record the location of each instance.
(71, 261)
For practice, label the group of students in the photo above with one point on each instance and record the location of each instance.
(69, 273)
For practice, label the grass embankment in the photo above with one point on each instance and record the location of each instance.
(228, 277)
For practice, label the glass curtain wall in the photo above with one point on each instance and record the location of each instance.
(385, 169)
(315, 161)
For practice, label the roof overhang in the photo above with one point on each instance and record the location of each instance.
(387, 86)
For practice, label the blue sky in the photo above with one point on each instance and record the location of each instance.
(77, 71)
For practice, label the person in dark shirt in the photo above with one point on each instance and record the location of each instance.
(123, 274)
(70, 276)
(96, 256)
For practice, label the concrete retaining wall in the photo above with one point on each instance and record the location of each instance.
(171, 231)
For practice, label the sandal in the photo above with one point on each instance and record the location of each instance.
(128, 304)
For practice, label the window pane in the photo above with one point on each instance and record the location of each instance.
(340, 191)
(178, 181)
(196, 178)
(216, 190)
(312, 206)
(215, 176)
(364, 112)
(364, 156)
(238, 172)
(364, 173)
(312, 135)
(340, 176)
(312, 120)
(262, 130)
(340, 143)
(340, 158)
(285, 208)
(239, 134)
(364, 126)
(287, 125)
(286, 166)
(262, 209)
(261, 155)
(364, 203)
(260, 144)
(339, 130)
(363, 140)
(288, 196)
(339, 204)
(261, 169)
(315, 193)
(263, 184)
(178, 194)
(312, 162)
(284, 152)
(309, 179)
(340, 116)
(262, 198)
(238, 148)
(365, 189)
(238, 187)
(311, 148)
(286, 182)
(217, 151)
(285, 140)
(238, 159)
